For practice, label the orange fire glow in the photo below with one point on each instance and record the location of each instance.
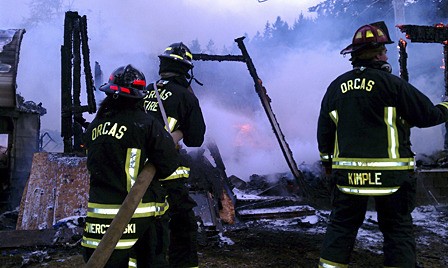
(402, 43)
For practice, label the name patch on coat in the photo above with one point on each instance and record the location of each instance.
(98, 228)
(366, 178)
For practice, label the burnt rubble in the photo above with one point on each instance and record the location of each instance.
(438, 159)
(30, 106)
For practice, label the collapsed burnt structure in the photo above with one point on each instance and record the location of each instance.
(19, 124)
(265, 101)
(74, 52)
(425, 34)
(432, 170)
(58, 184)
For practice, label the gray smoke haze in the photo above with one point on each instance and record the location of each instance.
(136, 31)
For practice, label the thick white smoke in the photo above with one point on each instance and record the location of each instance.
(134, 32)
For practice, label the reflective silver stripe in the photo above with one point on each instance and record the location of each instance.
(132, 262)
(325, 156)
(335, 117)
(93, 243)
(181, 172)
(143, 210)
(368, 191)
(132, 166)
(374, 164)
(390, 117)
(329, 264)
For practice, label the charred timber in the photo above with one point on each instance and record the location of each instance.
(403, 60)
(77, 128)
(74, 52)
(66, 82)
(425, 34)
(90, 88)
(206, 57)
(265, 100)
(75, 109)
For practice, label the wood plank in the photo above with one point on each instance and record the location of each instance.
(57, 188)
(27, 238)
(276, 212)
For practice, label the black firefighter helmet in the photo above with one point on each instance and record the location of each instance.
(126, 81)
(176, 58)
(371, 35)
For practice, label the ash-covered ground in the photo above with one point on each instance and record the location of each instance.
(276, 242)
(274, 228)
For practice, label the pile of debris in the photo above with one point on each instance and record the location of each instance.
(438, 159)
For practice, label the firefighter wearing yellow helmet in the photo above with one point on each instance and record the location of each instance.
(363, 137)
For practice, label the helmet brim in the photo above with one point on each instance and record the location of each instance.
(132, 93)
(353, 48)
(184, 62)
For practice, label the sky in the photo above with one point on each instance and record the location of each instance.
(122, 32)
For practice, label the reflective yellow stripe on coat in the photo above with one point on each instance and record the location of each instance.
(104, 211)
(181, 172)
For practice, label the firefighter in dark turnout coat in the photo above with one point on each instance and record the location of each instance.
(119, 141)
(184, 119)
(364, 141)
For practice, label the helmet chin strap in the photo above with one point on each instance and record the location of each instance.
(193, 78)
(161, 107)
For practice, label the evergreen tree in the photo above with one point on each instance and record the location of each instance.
(210, 48)
(195, 47)
(267, 33)
(43, 11)
(280, 31)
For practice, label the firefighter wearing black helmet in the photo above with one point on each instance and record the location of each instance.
(119, 141)
(364, 141)
(178, 108)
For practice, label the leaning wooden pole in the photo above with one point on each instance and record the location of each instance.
(265, 101)
(113, 234)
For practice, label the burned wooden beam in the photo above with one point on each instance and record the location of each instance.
(27, 238)
(74, 52)
(60, 235)
(206, 57)
(66, 83)
(403, 59)
(430, 34)
(265, 101)
(276, 212)
(425, 34)
(91, 103)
